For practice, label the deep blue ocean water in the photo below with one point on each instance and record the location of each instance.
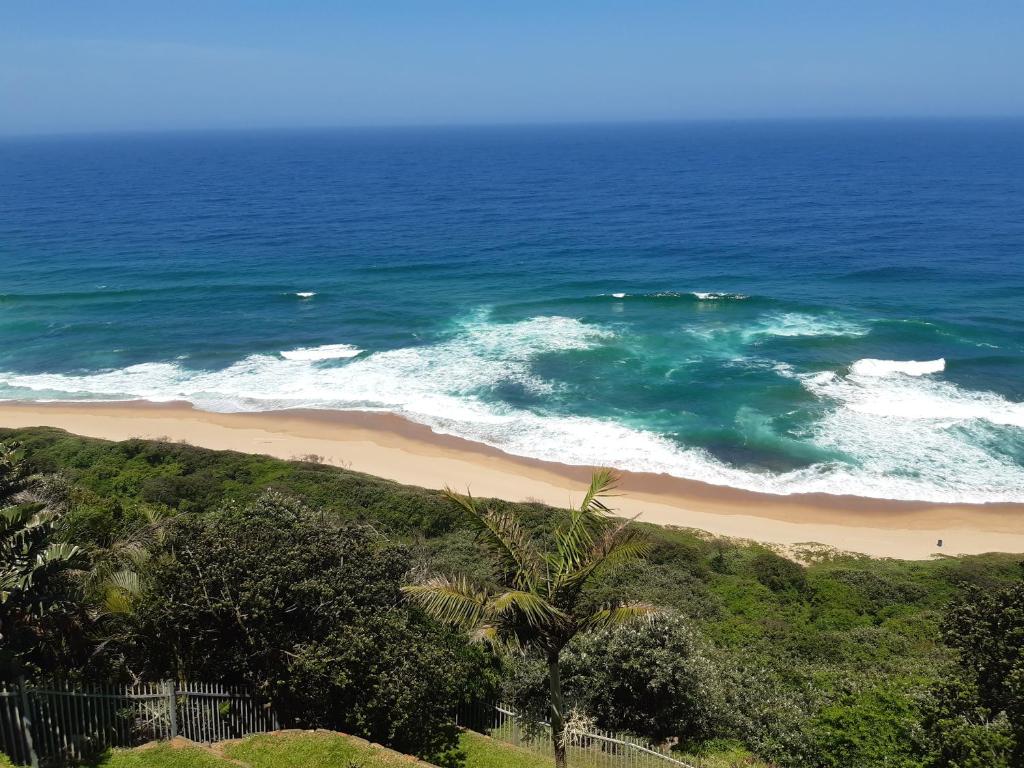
(737, 303)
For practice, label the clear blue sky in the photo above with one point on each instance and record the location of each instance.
(86, 65)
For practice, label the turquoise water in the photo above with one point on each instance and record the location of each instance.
(782, 307)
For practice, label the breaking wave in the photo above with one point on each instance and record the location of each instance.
(718, 296)
(325, 352)
(871, 367)
(894, 436)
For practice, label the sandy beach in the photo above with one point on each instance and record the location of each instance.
(389, 446)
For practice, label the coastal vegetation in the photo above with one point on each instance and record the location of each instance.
(288, 576)
(539, 604)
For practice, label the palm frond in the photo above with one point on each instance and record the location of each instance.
(505, 536)
(484, 633)
(127, 582)
(531, 607)
(573, 541)
(603, 483)
(618, 615)
(450, 600)
(617, 545)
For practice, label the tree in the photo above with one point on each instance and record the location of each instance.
(536, 602)
(32, 560)
(307, 610)
(982, 713)
(659, 679)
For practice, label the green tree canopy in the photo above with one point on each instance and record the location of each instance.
(309, 611)
(981, 716)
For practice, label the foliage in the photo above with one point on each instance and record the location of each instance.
(309, 612)
(786, 653)
(977, 717)
(870, 727)
(660, 679)
(536, 601)
(778, 573)
(33, 563)
(960, 732)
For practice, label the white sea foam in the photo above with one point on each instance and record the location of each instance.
(872, 367)
(727, 340)
(305, 294)
(920, 438)
(718, 295)
(618, 295)
(325, 352)
(904, 437)
(793, 324)
(907, 399)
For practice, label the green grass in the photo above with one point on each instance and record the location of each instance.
(318, 749)
(283, 749)
(484, 752)
(162, 756)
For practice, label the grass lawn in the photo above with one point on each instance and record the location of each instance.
(319, 749)
(283, 749)
(163, 756)
(484, 752)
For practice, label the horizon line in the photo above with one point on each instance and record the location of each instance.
(525, 124)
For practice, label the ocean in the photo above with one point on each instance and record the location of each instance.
(832, 306)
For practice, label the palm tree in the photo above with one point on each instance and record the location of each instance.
(29, 550)
(537, 603)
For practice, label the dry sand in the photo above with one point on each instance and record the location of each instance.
(389, 446)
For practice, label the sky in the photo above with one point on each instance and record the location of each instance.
(71, 66)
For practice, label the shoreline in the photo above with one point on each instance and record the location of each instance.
(389, 446)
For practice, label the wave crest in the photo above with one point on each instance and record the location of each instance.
(324, 352)
(872, 367)
(718, 296)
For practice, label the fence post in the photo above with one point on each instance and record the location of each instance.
(26, 724)
(172, 708)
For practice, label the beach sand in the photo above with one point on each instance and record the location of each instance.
(391, 447)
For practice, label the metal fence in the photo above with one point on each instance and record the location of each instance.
(55, 724)
(586, 749)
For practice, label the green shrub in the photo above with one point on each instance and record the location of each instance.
(273, 595)
(779, 574)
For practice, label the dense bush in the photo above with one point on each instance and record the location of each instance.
(658, 678)
(308, 610)
(977, 717)
(778, 573)
(874, 726)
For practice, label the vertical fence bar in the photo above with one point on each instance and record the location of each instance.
(26, 724)
(172, 708)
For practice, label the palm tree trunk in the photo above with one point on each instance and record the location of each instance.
(557, 710)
